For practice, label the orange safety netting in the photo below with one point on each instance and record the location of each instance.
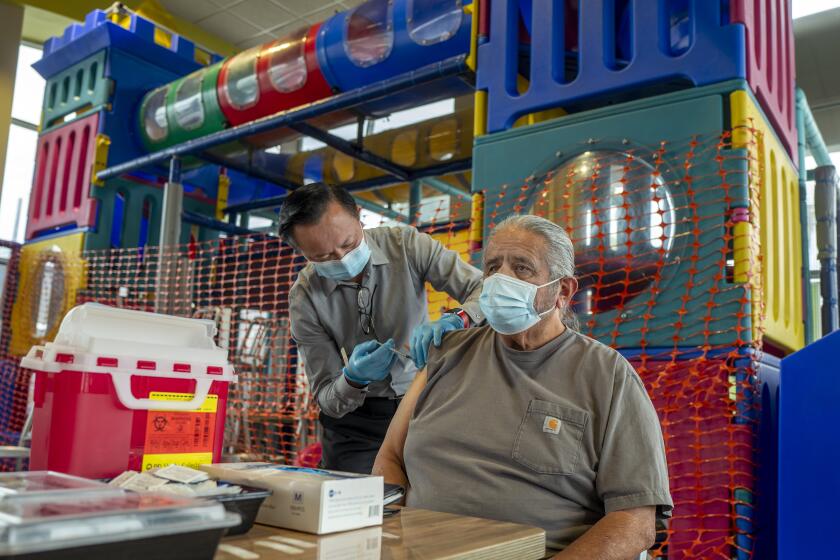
(13, 383)
(647, 240)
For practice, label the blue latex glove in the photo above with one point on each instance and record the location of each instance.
(370, 362)
(427, 333)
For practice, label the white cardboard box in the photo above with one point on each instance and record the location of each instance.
(309, 500)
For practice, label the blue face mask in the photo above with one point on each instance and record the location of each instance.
(349, 266)
(508, 303)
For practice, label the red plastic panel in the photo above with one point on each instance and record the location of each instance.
(709, 453)
(63, 167)
(771, 66)
(271, 98)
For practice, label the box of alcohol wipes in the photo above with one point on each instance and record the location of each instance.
(310, 500)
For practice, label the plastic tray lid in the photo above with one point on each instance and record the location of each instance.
(40, 484)
(89, 519)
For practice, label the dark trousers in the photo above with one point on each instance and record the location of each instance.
(350, 443)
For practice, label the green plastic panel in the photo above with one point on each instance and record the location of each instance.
(80, 89)
(683, 127)
(191, 110)
(134, 195)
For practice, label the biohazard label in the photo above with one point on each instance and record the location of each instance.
(181, 438)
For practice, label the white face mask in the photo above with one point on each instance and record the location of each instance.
(508, 303)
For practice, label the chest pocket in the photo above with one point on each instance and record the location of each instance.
(549, 438)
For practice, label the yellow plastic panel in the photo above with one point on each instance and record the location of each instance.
(222, 196)
(472, 57)
(477, 223)
(51, 273)
(480, 113)
(202, 57)
(163, 38)
(777, 290)
(100, 160)
(444, 139)
(457, 241)
(343, 167)
(404, 148)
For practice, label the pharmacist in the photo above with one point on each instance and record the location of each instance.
(359, 317)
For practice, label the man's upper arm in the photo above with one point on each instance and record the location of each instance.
(392, 447)
(632, 471)
(445, 270)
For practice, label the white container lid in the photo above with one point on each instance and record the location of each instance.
(73, 520)
(94, 328)
(95, 338)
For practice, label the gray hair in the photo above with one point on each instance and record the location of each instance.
(560, 254)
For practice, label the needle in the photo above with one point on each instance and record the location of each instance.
(397, 352)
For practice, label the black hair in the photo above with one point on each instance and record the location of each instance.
(307, 204)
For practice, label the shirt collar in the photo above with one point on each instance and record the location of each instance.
(377, 257)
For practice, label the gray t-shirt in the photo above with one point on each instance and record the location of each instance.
(325, 314)
(554, 437)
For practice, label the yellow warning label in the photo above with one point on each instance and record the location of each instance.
(210, 404)
(185, 459)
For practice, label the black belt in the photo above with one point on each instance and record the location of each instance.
(379, 406)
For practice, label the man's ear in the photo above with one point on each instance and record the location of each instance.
(568, 289)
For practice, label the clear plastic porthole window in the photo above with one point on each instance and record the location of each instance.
(369, 36)
(189, 107)
(154, 115)
(241, 87)
(617, 209)
(433, 21)
(287, 62)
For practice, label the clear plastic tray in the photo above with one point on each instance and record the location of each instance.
(42, 483)
(92, 519)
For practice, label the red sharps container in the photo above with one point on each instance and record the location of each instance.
(120, 389)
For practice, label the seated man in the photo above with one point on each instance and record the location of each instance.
(526, 420)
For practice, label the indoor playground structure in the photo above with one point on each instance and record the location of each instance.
(666, 136)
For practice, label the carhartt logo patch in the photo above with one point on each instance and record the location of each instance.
(551, 425)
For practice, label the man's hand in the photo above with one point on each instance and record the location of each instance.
(370, 361)
(429, 333)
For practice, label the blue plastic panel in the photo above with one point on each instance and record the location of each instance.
(809, 451)
(133, 77)
(401, 54)
(613, 56)
(79, 41)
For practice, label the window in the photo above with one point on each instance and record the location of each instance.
(155, 122)
(287, 62)
(414, 115)
(241, 88)
(20, 151)
(433, 21)
(189, 108)
(802, 8)
(369, 36)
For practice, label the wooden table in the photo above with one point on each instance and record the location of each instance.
(410, 534)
